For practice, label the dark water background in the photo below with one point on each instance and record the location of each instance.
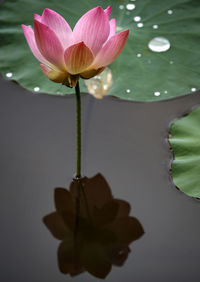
(124, 141)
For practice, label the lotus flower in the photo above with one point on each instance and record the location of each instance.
(84, 52)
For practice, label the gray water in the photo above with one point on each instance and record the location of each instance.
(124, 141)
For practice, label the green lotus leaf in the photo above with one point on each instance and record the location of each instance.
(139, 74)
(185, 142)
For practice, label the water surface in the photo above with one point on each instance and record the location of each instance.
(124, 141)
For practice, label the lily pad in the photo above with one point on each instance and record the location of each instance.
(185, 143)
(139, 74)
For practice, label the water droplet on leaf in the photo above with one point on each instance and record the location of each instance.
(159, 44)
(121, 7)
(36, 89)
(155, 26)
(140, 24)
(193, 89)
(139, 55)
(157, 93)
(128, 91)
(9, 74)
(99, 85)
(165, 91)
(170, 12)
(130, 7)
(137, 18)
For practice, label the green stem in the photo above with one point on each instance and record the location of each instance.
(78, 128)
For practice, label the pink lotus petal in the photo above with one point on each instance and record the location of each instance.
(108, 11)
(112, 28)
(49, 45)
(30, 38)
(90, 73)
(45, 69)
(37, 18)
(93, 29)
(59, 25)
(53, 75)
(111, 49)
(77, 58)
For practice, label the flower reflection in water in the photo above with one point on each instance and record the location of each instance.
(95, 228)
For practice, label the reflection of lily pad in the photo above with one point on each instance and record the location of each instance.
(185, 142)
(139, 74)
